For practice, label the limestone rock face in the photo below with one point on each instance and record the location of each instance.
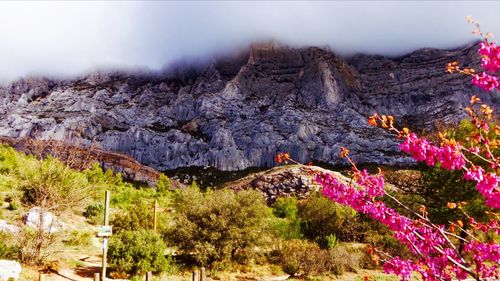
(238, 111)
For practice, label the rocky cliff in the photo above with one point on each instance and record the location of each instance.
(238, 111)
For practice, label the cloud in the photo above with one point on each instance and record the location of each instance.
(70, 38)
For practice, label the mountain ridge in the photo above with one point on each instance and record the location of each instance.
(239, 111)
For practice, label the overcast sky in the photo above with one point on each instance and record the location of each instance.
(71, 38)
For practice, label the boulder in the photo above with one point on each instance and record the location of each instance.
(9, 269)
(4, 226)
(33, 218)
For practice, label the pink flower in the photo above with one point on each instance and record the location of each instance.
(374, 185)
(450, 157)
(491, 56)
(420, 149)
(475, 174)
(400, 267)
(485, 81)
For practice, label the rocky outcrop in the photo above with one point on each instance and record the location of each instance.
(290, 181)
(237, 112)
(297, 181)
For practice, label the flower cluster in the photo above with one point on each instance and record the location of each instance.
(481, 254)
(490, 61)
(490, 53)
(400, 267)
(436, 255)
(449, 155)
(485, 81)
(438, 259)
(451, 158)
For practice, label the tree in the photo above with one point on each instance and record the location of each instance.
(217, 226)
(137, 252)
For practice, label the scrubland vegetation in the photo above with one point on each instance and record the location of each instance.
(220, 229)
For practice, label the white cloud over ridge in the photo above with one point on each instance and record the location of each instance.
(73, 37)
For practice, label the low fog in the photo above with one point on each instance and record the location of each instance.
(71, 38)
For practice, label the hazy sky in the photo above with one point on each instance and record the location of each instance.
(68, 38)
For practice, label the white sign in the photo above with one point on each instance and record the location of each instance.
(104, 231)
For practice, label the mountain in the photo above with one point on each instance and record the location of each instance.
(237, 111)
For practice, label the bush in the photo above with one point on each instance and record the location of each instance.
(163, 184)
(138, 216)
(9, 160)
(7, 251)
(14, 205)
(343, 259)
(321, 217)
(287, 225)
(36, 246)
(94, 213)
(331, 241)
(52, 185)
(219, 226)
(286, 207)
(136, 252)
(77, 238)
(299, 257)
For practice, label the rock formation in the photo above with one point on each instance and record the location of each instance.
(238, 111)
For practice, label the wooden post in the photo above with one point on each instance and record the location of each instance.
(149, 276)
(105, 240)
(97, 276)
(195, 275)
(40, 276)
(155, 214)
(203, 275)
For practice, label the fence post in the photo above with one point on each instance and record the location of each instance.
(149, 276)
(203, 276)
(97, 276)
(107, 195)
(195, 275)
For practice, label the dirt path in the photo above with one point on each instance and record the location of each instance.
(85, 272)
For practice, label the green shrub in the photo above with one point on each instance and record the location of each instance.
(287, 225)
(98, 177)
(9, 159)
(94, 213)
(331, 241)
(7, 249)
(219, 226)
(136, 252)
(163, 184)
(77, 238)
(383, 240)
(138, 216)
(297, 256)
(321, 217)
(51, 184)
(14, 205)
(125, 196)
(287, 228)
(286, 207)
